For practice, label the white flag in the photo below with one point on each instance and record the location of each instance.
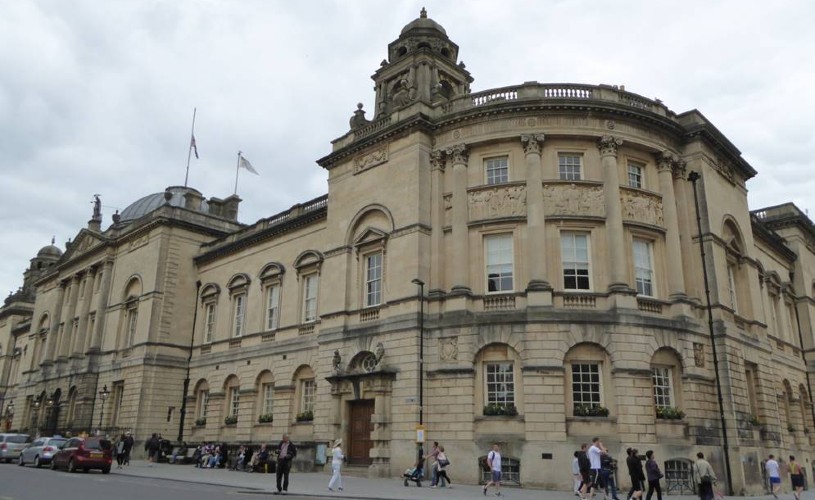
(248, 166)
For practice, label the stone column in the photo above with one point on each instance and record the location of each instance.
(101, 305)
(459, 155)
(79, 342)
(535, 218)
(68, 317)
(436, 281)
(51, 348)
(618, 266)
(666, 163)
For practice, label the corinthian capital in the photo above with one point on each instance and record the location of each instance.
(608, 145)
(437, 160)
(666, 160)
(458, 154)
(532, 143)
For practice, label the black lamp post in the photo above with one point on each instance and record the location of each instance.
(417, 281)
(103, 395)
(693, 177)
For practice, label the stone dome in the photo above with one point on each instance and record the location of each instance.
(49, 251)
(423, 23)
(147, 204)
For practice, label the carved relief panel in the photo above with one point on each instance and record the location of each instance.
(493, 202)
(641, 207)
(569, 199)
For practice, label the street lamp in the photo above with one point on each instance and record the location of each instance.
(693, 177)
(103, 395)
(417, 281)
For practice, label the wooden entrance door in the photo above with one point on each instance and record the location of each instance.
(359, 433)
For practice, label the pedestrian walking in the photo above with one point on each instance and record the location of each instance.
(119, 447)
(774, 473)
(584, 465)
(796, 478)
(576, 477)
(152, 446)
(595, 450)
(286, 451)
(704, 477)
(653, 474)
(607, 467)
(635, 472)
(129, 441)
(441, 464)
(494, 461)
(434, 473)
(337, 458)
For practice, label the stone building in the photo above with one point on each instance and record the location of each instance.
(520, 265)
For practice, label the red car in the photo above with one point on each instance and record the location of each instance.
(84, 453)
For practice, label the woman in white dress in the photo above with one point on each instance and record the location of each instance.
(336, 465)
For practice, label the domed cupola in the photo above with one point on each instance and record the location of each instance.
(421, 67)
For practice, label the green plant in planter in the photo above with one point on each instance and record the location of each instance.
(231, 419)
(265, 418)
(670, 413)
(791, 428)
(500, 409)
(755, 421)
(806, 431)
(201, 421)
(590, 411)
(306, 416)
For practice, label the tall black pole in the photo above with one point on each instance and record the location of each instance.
(189, 360)
(693, 177)
(419, 282)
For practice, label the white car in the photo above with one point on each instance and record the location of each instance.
(11, 444)
(41, 451)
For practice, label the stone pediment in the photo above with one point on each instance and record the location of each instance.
(370, 235)
(84, 242)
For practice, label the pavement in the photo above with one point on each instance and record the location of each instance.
(316, 484)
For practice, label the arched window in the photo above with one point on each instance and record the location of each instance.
(308, 266)
(803, 400)
(265, 398)
(201, 402)
(737, 283)
(666, 377)
(232, 390)
(498, 391)
(238, 292)
(305, 400)
(209, 301)
(129, 323)
(589, 391)
(786, 399)
(271, 279)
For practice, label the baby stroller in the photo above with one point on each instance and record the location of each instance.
(414, 474)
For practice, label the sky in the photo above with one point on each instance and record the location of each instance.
(97, 97)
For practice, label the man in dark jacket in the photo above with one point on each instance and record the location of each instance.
(152, 446)
(584, 464)
(286, 451)
(636, 473)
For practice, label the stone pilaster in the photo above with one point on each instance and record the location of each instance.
(51, 347)
(618, 267)
(437, 252)
(68, 316)
(101, 305)
(458, 156)
(79, 342)
(535, 221)
(667, 162)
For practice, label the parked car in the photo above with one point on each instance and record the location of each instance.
(41, 451)
(11, 444)
(84, 453)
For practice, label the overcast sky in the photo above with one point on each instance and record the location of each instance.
(97, 96)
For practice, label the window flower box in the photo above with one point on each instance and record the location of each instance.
(669, 413)
(231, 420)
(590, 411)
(266, 418)
(306, 416)
(200, 422)
(493, 409)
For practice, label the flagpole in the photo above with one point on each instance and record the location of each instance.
(237, 170)
(189, 150)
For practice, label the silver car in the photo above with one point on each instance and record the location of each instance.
(11, 444)
(41, 451)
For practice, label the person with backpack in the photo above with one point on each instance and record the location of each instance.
(152, 446)
(796, 478)
(704, 477)
(494, 461)
(607, 467)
